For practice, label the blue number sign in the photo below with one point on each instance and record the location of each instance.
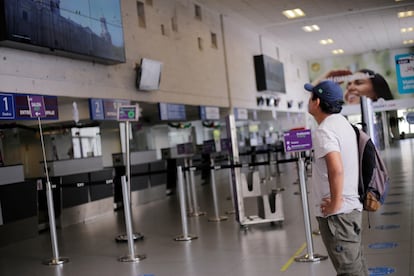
(7, 111)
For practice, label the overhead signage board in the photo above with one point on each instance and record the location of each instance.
(240, 114)
(7, 111)
(209, 113)
(111, 108)
(29, 107)
(105, 109)
(172, 112)
(298, 140)
(96, 109)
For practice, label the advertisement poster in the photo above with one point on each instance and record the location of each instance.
(387, 70)
(386, 74)
(405, 73)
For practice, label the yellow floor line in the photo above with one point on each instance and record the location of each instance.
(290, 261)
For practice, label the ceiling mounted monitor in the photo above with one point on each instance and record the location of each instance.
(83, 29)
(270, 75)
(148, 75)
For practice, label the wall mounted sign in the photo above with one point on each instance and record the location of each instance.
(30, 106)
(172, 112)
(7, 111)
(209, 113)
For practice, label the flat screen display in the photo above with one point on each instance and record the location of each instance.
(149, 75)
(270, 74)
(88, 29)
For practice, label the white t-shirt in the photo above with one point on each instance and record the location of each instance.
(335, 134)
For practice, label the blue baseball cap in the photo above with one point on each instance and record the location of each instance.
(328, 91)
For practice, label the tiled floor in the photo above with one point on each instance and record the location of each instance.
(223, 248)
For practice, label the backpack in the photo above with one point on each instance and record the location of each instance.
(374, 180)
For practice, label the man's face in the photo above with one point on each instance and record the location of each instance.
(312, 105)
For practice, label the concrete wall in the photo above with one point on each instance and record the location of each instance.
(220, 76)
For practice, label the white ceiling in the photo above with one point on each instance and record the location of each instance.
(356, 26)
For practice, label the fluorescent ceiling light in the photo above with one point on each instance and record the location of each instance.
(293, 13)
(326, 41)
(406, 30)
(409, 41)
(311, 28)
(337, 51)
(405, 14)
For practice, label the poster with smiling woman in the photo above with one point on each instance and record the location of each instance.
(387, 74)
(376, 74)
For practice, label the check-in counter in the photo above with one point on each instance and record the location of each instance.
(18, 211)
(148, 176)
(101, 184)
(74, 166)
(11, 174)
(82, 189)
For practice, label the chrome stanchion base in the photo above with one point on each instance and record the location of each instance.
(131, 259)
(217, 219)
(185, 238)
(124, 237)
(197, 214)
(58, 261)
(306, 258)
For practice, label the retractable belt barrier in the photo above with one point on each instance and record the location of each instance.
(239, 165)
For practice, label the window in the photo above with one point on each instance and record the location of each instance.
(197, 12)
(174, 24)
(214, 40)
(141, 15)
(200, 43)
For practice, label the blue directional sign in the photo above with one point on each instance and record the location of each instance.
(96, 109)
(383, 245)
(7, 111)
(387, 227)
(380, 271)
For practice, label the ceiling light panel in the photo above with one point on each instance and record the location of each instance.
(337, 52)
(405, 14)
(407, 30)
(326, 41)
(295, 13)
(409, 41)
(311, 28)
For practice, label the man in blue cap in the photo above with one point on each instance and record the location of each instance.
(335, 180)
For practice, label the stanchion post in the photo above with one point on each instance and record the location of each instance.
(187, 189)
(131, 257)
(136, 236)
(196, 211)
(310, 256)
(216, 217)
(232, 211)
(56, 260)
(185, 236)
